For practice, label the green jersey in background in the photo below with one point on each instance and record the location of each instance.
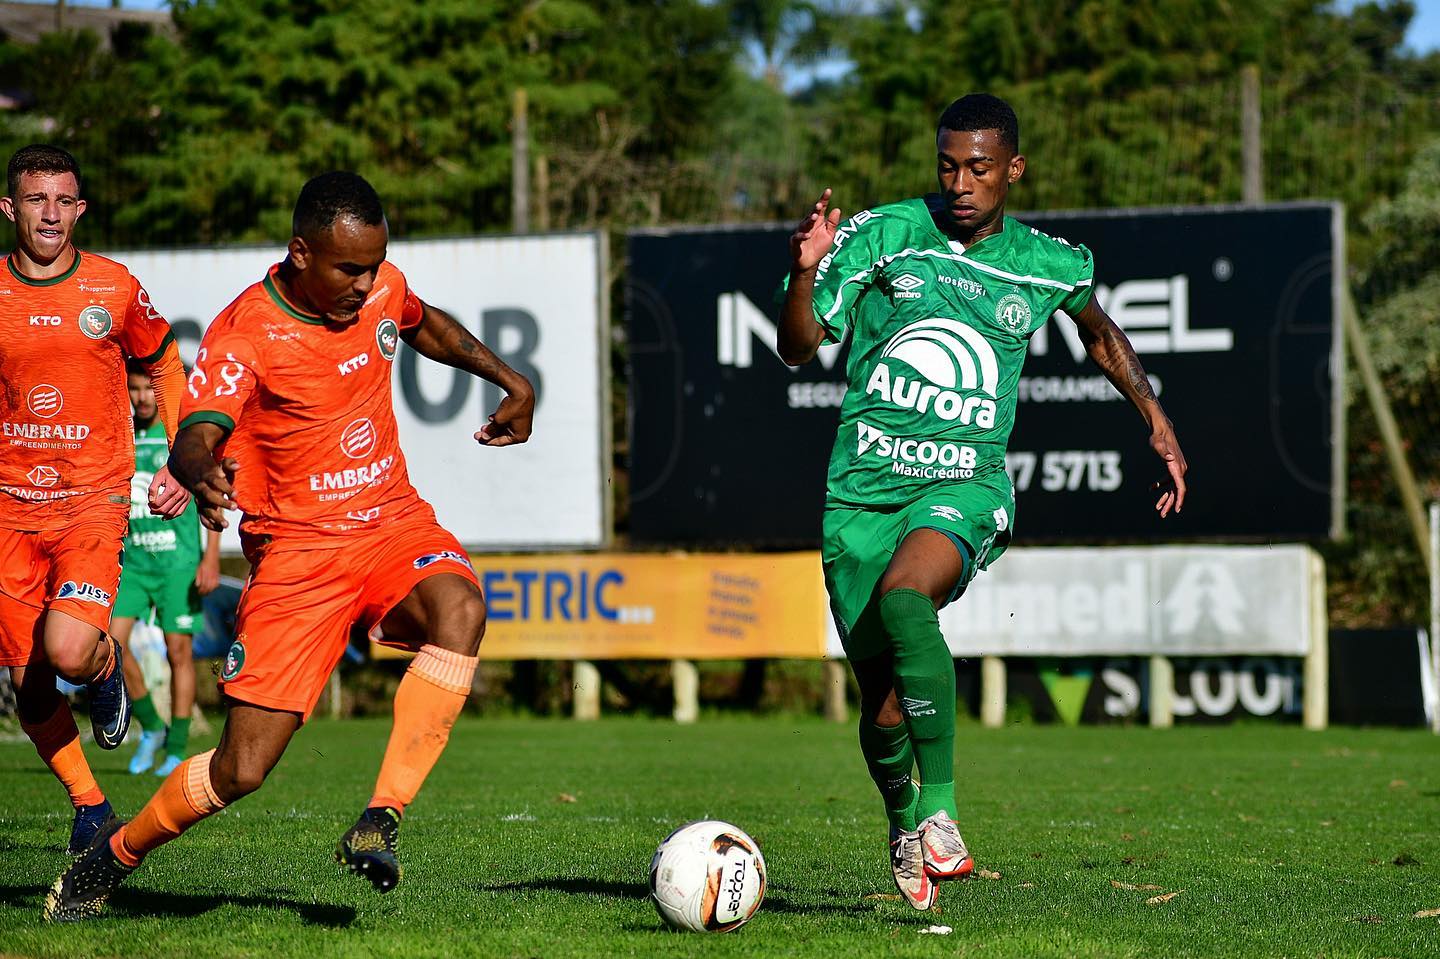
(154, 544)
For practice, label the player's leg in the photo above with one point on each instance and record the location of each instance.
(84, 577)
(885, 743)
(43, 712)
(855, 549)
(152, 727)
(46, 718)
(252, 742)
(421, 593)
(180, 652)
(927, 567)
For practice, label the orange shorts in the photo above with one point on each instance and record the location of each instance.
(300, 606)
(74, 569)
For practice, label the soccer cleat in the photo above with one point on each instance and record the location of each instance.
(945, 854)
(368, 849)
(89, 820)
(168, 766)
(82, 890)
(907, 862)
(150, 746)
(110, 704)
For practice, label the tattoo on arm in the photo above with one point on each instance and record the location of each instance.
(1136, 375)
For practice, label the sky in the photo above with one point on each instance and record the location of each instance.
(1424, 32)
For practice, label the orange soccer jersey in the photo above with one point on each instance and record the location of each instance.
(308, 409)
(65, 421)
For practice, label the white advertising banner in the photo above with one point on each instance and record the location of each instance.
(538, 302)
(1135, 601)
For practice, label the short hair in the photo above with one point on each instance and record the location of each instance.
(330, 196)
(981, 111)
(134, 367)
(40, 158)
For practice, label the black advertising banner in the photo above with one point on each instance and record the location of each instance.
(1232, 310)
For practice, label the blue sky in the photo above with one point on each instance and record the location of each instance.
(1424, 29)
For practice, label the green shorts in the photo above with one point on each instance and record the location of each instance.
(859, 542)
(170, 592)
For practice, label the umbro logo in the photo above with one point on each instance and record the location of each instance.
(947, 513)
(918, 707)
(907, 286)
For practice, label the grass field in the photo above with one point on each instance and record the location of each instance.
(1275, 842)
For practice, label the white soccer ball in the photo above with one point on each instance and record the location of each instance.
(707, 876)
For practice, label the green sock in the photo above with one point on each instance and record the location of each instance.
(178, 738)
(144, 710)
(925, 683)
(890, 759)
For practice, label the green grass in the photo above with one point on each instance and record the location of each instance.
(1277, 842)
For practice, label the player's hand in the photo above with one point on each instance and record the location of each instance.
(510, 423)
(815, 235)
(215, 493)
(1167, 447)
(207, 575)
(168, 498)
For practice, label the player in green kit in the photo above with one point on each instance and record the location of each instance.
(940, 295)
(164, 571)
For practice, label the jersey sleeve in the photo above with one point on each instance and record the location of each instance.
(144, 334)
(851, 267)
(227, 372)
(1079, 274)
(412, 311)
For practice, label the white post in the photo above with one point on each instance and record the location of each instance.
(1162, 693)
(686, 678)
(1435, 609)
(992, 691)
(835, 709)
(335, 693)
(1316, 707)
(585, 678)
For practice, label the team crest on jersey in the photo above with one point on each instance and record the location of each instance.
(430, 559)
(234, 659)
(387, 337)
(1013, 312)
(95, 322)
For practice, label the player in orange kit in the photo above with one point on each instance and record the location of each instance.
(288, 415)
(69, 320)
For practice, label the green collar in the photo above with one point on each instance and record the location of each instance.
(10, 262)
(285, 304)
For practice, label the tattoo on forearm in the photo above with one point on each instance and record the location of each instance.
(1135, 373)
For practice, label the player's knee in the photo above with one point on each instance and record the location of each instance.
(179, 652)
(74, 661)
(235, 777)
(463, 625)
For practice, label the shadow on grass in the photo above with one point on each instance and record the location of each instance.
(610, 889)
(127, 903)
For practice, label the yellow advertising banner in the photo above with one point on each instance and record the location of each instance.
(653, 606)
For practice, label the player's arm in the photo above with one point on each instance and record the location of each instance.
(799, 335)
(1110, 349)
(441, 338)
(193, 463)
(207, 574)
(146, 336)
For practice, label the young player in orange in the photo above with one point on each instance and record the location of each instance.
(288, 416)
(68, 320)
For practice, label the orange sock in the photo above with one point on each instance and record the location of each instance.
(426, 704)
(185, 798)
(57, 740)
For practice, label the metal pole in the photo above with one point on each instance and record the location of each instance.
(1435, 610)
(520, 163)
(1253, 186)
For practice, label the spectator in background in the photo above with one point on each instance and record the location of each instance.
(165, 571)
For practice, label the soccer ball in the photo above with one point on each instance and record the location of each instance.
(707, 876)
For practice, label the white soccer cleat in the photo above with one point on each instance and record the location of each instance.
(945, 854)
(907, 862)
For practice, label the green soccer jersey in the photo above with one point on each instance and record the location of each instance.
(154, 544)
(938, 334)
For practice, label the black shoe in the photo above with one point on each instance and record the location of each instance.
(82, 890)
(89, 820)
(369, 848)
(110, 704)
